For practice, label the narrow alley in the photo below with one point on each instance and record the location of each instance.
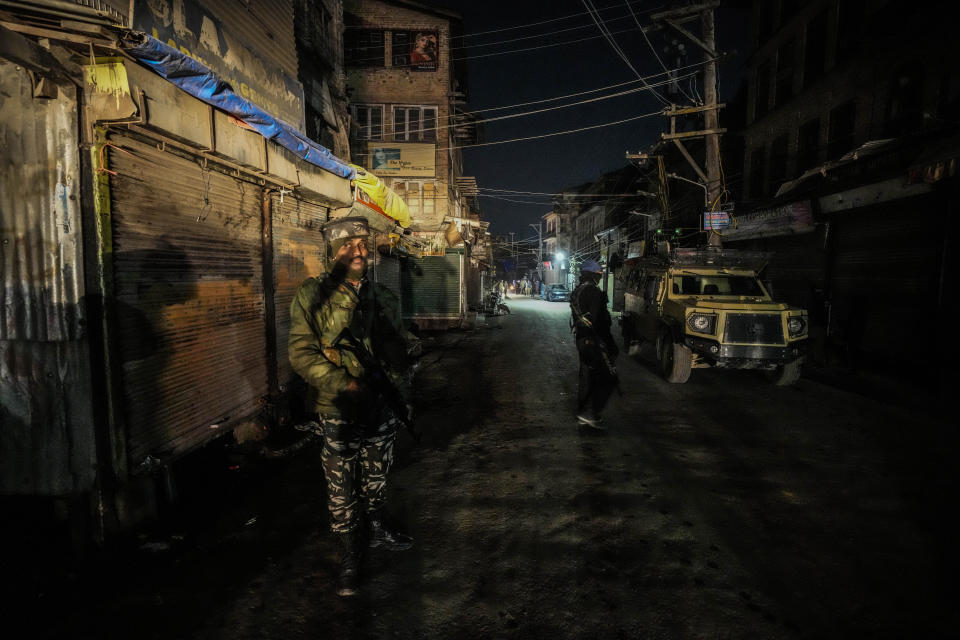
(722, 508)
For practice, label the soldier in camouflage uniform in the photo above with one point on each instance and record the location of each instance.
(358, 430)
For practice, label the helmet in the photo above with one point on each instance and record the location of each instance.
(591, 266)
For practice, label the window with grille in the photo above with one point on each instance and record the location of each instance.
(415, 124)
(368, 121)
(364, 48)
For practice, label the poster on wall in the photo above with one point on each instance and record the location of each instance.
(402, 159)
(416, 50)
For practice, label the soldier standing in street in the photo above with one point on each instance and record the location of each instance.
(358, 430)
(595, 345)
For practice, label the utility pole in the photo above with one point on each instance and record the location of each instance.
(711, 119)
(711, 180)
(513, 255)
(539, 229)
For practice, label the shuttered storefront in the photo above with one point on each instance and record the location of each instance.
(885, 275)
(298, 253)
(189, 312)
(797, 266)
(432, 287)
(386, 271)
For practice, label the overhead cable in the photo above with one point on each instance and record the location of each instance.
(535, 24)
(613, 43)
(559, 133)
(652, 48)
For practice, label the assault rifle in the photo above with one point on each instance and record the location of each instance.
(582, 319)
(378, 380)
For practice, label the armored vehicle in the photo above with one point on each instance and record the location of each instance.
(707, 308)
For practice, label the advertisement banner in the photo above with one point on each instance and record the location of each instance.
(416, 50)
(786, 220)
(401, 159)
(194, 31)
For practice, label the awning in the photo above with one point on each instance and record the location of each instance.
(201, 82)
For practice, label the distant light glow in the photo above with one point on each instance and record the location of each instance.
(560, 256)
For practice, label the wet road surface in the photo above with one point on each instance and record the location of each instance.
(721, 508)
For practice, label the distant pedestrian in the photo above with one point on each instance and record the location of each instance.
(595, 345)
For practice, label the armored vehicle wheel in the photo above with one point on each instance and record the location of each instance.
(785, 375)
(675, 359)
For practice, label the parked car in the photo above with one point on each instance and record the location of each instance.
(707, 308)
(557, 293)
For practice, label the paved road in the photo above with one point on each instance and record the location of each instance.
(722, 508)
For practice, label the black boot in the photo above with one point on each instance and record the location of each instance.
(348, 583)
(381, 535)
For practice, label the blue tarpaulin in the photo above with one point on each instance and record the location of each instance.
(200, 82)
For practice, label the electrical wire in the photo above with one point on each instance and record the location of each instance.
(558, 133)
(535, 24)
(653, 49)
(616, 47)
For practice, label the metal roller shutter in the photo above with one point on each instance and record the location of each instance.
(386, 271)
(431, 286)
(298, 253)
(188, 279)
(885, 277)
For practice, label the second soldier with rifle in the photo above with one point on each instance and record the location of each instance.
(595, 345)
(338, 324)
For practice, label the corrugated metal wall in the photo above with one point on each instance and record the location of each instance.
(386, 271)
(265, 25)
(432, 286)
(884, 281)
(46, 424)
(188, 278)
(298, 254)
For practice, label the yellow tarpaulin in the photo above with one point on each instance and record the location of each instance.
(384, 197)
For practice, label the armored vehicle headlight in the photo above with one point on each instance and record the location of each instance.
(796, 326)
(702, 322)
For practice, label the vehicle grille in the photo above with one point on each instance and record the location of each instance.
(753, 328)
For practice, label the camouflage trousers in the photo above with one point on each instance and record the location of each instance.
(356, 460)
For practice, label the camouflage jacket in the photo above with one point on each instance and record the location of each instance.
(320, 310)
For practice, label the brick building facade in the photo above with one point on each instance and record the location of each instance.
(404, 85)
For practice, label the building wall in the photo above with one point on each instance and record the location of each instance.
(812, 63)
(391, 86)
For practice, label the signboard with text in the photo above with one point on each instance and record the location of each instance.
(406, 159)
(716, 220)
(789, 219)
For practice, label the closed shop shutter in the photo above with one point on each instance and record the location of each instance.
(188, 280)
(386, 271)
(885, 277)
(298, 253)
(431, 286)
(797, 266)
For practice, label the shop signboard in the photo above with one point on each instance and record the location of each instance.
(409, 160)
(789, 219)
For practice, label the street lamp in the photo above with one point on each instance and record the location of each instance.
(706, 197)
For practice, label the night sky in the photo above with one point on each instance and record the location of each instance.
(551, 164)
